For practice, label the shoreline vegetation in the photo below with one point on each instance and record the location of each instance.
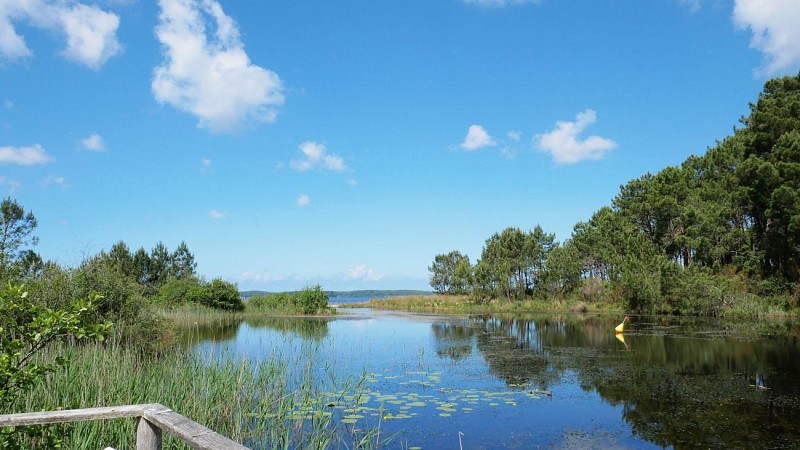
(752, 307)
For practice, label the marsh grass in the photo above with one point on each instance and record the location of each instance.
(465, 304)
(271, 403)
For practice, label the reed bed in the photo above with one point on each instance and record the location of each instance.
(463, 304)
(266, 404)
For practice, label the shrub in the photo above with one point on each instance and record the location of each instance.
(218, 294)
(311, 299)
(175, 292)
(26, 329)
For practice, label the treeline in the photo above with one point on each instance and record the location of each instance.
(130, 285)
(720, 232)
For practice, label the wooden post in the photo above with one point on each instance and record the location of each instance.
(148, 436)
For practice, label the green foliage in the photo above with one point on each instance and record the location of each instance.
(311, 300)
(175, 292)
(514, 262)
(152, 269)
(451, 273)
(218, 294)
(26, 329)
(563, 273)
(281, 301)
(16, 227)
(123, 302)
(182, 261)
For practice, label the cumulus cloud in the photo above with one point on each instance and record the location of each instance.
(94, 143)
(315, 156)
(477, 137)
(499, 3)
(363, 273)
(216, 215)
(90, 32)
(303, 200)
(514, 135)
(207, 73)
(776, 33)
(565, 146)
(25, 156)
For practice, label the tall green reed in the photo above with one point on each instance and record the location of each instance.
(272, 403)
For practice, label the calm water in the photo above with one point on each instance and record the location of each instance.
(545, 381)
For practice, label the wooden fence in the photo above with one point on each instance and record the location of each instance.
(153, 419)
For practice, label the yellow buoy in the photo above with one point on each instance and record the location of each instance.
(621, 327)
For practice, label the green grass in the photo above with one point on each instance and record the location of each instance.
(463, 304)
(273, 403)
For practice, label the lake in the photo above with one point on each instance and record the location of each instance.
(541, 380)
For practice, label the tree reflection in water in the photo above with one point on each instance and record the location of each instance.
(223, 329)
(681, 385)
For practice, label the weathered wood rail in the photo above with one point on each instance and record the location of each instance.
(153, 419)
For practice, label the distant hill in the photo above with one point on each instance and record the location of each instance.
(372, 293)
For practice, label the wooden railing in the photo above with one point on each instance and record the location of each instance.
(153, 418)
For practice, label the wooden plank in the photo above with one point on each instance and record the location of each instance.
(74, 415)
(190, 432)
(157, 417)
(148, 436)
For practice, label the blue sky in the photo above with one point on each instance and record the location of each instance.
(348, 143)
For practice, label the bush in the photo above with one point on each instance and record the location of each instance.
(218, 294)
(175, 292)
(281, 301)
(311, 300)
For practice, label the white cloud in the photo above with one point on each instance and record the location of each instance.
(90, 32)
(25, 156)
(11, 185)
(206, 163)
(363, 273)
(316, 157)
(564, 145)
(775, 25)
(55, 180)
(514, 135)
(259, 277)
(214, 214)
(499, 3)
(303, 200)
(210, 75)
(477, 137)
(94, 143)
(8, 104)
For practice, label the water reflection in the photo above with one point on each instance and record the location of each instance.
(681, 384)
(552, 379)
(309, 328)
(226, 329)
